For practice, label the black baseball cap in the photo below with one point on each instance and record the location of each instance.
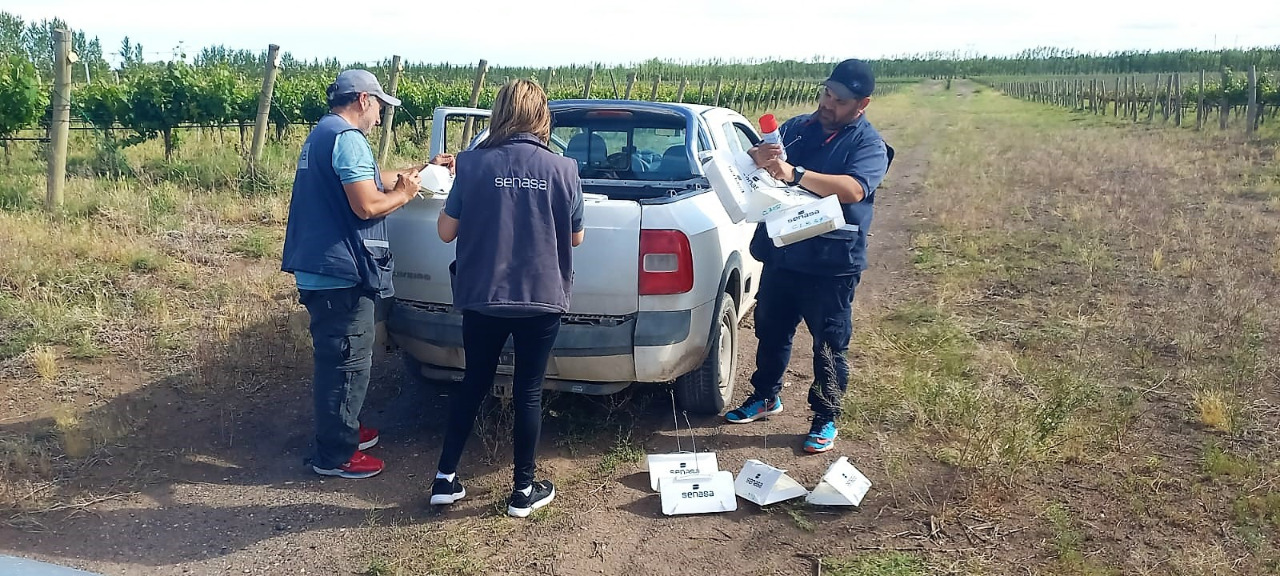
(852, 80)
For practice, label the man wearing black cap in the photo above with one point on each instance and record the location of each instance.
(832, 152)
(336, 247)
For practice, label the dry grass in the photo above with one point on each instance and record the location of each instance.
(1214, 409)
(1084, 282)
(45, 361)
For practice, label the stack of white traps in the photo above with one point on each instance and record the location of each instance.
(790, 213)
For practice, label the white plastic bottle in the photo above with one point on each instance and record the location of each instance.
(769, 127)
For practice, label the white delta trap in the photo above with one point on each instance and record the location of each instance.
(842, 485)
(749, 193)
(690, 482)
(436, 180)
(765, 485)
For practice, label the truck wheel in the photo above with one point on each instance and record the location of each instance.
(710, 386)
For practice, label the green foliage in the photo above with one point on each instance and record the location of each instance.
(216, 97)
(104, 104)
(160, 101)
(21, 99)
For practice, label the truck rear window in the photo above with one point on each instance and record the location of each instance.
(622, 144)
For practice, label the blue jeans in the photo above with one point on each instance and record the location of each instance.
(825, 303)
(342, 332)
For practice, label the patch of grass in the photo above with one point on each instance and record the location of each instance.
(1213, 409)
(1067, 545)
(419, 551)
(22, 455)
(877, 564)
(451, 556)
(1066, 537)
(379, 566)
(161, 203)
(624, 452)
(217, 168)
(1201, 559)
(932, 373)
(81, 433)
(1217, 463)
(146, 261)
(256, 244)
(1258, 511)
(802, 521)
(45, 361)
(544, 515)
(17, 196)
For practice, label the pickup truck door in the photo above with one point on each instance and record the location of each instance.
(606, 265)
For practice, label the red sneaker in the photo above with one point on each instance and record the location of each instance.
(368, 438)
(361, 465)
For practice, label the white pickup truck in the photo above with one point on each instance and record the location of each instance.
(661, 281)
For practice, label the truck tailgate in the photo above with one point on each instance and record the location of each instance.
(606, 265)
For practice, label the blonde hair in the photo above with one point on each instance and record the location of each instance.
(521, 106)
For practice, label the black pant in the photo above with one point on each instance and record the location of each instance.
(342, 334)
(483, 338)
(826, 305)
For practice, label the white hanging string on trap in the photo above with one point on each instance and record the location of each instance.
(680, 463)
(706, 489)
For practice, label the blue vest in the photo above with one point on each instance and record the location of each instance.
(856, 148)
(323, 235)
(515, 253)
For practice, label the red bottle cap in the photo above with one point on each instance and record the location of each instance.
(768, 123)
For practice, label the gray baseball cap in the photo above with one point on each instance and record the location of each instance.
(356, 81)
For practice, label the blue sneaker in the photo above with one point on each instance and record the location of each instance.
(822, 436)
(754, 409)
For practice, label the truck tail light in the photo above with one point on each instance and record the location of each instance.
(666, 262)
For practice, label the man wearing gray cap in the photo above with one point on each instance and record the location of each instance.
(832, 152)
(336, 247)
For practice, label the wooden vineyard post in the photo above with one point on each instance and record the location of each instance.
(1177, 89)
(1200, 111)
(1155, 99)
(1168, 98)
(264, 105)
(389, 113)
(476, 87)
(1224, 112)
(60, 130)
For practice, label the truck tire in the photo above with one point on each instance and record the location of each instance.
(708, 388)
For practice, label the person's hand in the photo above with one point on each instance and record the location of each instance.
(446, 160)
(780, 169)
(764, 153)
(407, 182)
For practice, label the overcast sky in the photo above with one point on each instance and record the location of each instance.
(513, 33)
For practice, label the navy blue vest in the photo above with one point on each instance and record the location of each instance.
(857, 147)
(323, 235)
(515, 251)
